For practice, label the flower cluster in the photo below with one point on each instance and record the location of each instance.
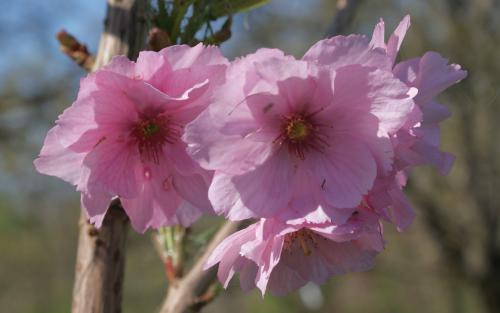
(317, 149)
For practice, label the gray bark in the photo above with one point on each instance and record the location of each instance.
(101, 252)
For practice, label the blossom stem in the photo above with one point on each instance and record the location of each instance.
(196, 288)
(169, 242)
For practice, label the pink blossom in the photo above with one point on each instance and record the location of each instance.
(294, 134)
(418, 141)
(281, 257)
(121, 137)
(388, 200)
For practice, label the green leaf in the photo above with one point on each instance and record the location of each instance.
(229, 7)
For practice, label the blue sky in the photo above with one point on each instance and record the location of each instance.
(27, 30)
(28, 27)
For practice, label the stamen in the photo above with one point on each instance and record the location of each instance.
(149, 129)
(298, 129)
(304, 246)
(303, 239)
(151, 135)
(300, 133)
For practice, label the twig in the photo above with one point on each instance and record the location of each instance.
(346, 10)
(193, 290)
(77, 51)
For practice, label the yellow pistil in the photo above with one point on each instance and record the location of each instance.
(303, 245)
(297, 130)
(149, 129)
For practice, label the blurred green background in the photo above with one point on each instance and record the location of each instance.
(448, 261)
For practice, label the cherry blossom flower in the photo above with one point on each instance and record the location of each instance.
(418, 141)
(121, 137)
(281, 257)
(287, 133)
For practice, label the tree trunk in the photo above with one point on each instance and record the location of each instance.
(100, 263)
(100, 259)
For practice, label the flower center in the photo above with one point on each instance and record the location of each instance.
(149, 128)
(151, 134)
(303, 239)
(298, 129)
(300, 134)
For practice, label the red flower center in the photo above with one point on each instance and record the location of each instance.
(152, 134)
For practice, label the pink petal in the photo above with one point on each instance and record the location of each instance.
(120, 64)
(184, 56)
(298, 93)
(397, 37)
(403, 214)
(346, 173)
(378, 36)
(341, 51)
(236, 196)
(269, 256)
(278, 69)
(140, 96)
(431, 75)
(58, 161)
(362, 89)
(228, 253)
(391, 102)
(111, 164)
(247, 275)
(176, 83)
(95, 204)
(365, 128)
(285, 280)
(185, 215)
(76, 120)
(140, 209)
(431, 154)
(224, 146)
(194, 189)
(179, 158)
(268, 110)
(345, 257)
(434, 113)
(151, 66)
(156, 202)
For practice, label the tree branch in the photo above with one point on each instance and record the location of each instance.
(101, 252)
(187, 294)
(100, 263)
(125, 30)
